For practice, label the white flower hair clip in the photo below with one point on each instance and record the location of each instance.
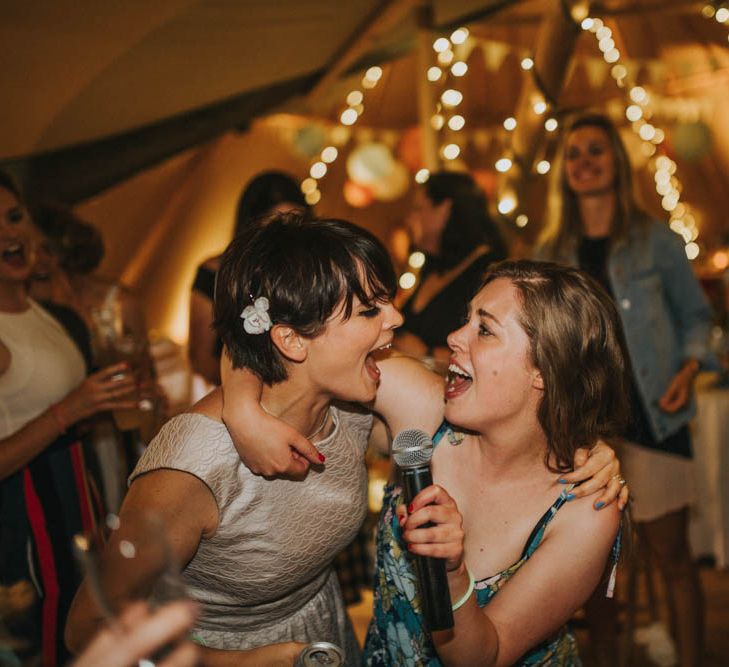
(256, 319)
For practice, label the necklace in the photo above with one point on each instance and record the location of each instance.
(324, 420)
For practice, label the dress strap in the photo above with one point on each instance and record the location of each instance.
(446, 429)
(537, 533)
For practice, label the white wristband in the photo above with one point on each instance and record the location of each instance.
(467, 594)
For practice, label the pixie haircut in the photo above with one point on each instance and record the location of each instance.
(308, 270)
(576, 344)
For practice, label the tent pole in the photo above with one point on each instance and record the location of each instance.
(555, 45)
(385, 15)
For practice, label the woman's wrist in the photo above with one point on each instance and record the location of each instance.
(692, 366)
(461, 581)
(60, 417)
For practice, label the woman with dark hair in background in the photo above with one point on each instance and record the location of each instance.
(44, 393)
(451, 225)
(267, 193)
(666, 318)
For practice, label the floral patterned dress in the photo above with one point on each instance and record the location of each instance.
(397, 636)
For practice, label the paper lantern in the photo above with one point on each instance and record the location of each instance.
(394, 185)
(309, 140)
(691, 141)
(410, 149)
(369, 163)
(357, 195)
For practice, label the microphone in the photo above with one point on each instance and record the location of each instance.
(412, 450)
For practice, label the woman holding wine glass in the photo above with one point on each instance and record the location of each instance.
(44, 492)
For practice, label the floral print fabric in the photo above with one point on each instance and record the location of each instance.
(396, 635)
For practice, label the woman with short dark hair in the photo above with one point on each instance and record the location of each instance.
(306, 305)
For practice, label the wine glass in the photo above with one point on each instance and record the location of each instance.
(129, 562)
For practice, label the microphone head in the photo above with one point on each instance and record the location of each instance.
(412, 448)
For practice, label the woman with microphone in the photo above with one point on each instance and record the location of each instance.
(536, 373)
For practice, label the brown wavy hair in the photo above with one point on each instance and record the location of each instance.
(576, 344)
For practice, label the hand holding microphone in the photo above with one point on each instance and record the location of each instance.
(434, 529)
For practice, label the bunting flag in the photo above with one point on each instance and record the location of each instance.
(597, 71)
(494, 54)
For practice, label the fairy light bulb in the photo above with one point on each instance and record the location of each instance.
(348, 117)
(456, 122)
(445, 57)
(354, 98)
(312, 198)
(329, 154)
(416, 260)
(551, 124)
(692, 250)
(308, 185)
(434, 73)
(503, 165)
(451, 97)
(422, 176)
(527, 64)
(459, 36)
(451, 151)
(441, 44)
(318, 170)
(407, 280)
(507, 204)
(374, 73)
(543, 167)
(634, 113)
(459, 68)
(510, 124)
(521, 220)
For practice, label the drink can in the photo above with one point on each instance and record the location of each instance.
(320, 654)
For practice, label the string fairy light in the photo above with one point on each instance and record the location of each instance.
(718, 11)
(447, 120)
(319, 168)
(638, 111)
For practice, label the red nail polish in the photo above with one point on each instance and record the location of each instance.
(321, 456)
(410, 508)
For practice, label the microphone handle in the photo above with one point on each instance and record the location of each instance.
(432, 577)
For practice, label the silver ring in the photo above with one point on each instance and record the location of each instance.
(622, 481)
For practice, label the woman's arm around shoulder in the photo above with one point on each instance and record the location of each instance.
(541, 596)
(409, 396)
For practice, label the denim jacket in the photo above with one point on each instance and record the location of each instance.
(665, 314)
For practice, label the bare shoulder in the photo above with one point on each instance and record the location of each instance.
(579, 520)
(210, 405)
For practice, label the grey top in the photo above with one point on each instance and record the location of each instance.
(265, 576)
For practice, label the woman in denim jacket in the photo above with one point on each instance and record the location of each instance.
(666, 320)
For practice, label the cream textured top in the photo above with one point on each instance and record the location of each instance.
(265, 576)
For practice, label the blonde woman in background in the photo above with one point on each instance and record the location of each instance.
(666, 318)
